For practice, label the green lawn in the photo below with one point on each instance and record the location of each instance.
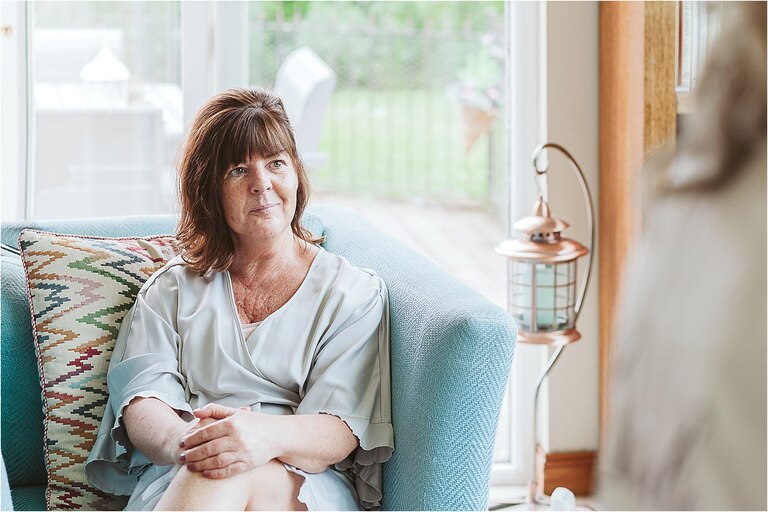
(400, 144)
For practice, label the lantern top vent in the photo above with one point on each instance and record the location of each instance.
(541, 240)
(540, 226)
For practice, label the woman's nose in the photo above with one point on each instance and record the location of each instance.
(261, 181)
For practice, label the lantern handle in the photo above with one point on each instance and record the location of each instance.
(589, 207)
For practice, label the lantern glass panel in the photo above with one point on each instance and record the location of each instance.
(545, 274)
(573, 287)
(545, 278)
(521, 300)
(553, 283)
(566, 280)
(545, 296)
(521, 293)
(520, 273)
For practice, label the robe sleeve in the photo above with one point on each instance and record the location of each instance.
(350, 379)
(144, 363)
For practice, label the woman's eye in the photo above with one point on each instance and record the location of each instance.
(237, 171)
(278, 164)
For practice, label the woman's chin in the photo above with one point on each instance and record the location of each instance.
(269, 232)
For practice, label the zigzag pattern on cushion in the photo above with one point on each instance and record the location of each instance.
(80, 289)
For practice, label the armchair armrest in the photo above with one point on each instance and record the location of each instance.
(451, 355)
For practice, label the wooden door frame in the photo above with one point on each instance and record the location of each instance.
(637, 117)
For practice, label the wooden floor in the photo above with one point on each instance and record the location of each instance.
(460, 240)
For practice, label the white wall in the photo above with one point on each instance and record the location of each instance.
(572, 121)
(554, 98)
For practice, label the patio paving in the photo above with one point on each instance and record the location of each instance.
(460, 240)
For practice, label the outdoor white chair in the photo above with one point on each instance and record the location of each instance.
(306, 83)
(60, 53)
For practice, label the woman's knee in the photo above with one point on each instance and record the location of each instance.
(190, 490)
(272, 470)
(273, 487)
(267, 487)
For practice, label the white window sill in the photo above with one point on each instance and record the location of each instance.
(506, 494)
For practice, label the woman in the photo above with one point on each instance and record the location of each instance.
(253, 370)
(688, 411)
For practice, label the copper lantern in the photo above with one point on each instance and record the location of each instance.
(543, 277)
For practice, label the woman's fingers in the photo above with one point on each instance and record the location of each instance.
(205, 434)
(232, 469)
(218, 461)
(200, 423)
(206, 450)
(193, 427)
(216, 411)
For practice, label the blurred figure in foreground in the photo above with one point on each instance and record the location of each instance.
(687, 421)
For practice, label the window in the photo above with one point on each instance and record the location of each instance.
(412, 120)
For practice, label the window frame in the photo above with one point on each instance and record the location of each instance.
(526, 126)
(16, 130)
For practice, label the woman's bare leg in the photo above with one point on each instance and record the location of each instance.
(268, 487)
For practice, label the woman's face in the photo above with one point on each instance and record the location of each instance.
(259, 198)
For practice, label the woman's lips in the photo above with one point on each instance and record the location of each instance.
(263, 209)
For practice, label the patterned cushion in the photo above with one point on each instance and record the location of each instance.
(80, 288)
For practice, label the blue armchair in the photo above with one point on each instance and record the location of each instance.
(451, 354)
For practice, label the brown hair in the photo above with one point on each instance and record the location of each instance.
(231, 127)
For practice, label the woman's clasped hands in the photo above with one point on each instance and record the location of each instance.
(226, 441)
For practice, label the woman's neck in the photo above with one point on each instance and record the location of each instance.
(277, 270)
(254, 258)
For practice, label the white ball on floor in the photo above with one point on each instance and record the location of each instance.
(562, 499)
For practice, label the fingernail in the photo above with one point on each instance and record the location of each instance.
(183, 457)
(182, 444)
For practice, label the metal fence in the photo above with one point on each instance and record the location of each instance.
(408, 102)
